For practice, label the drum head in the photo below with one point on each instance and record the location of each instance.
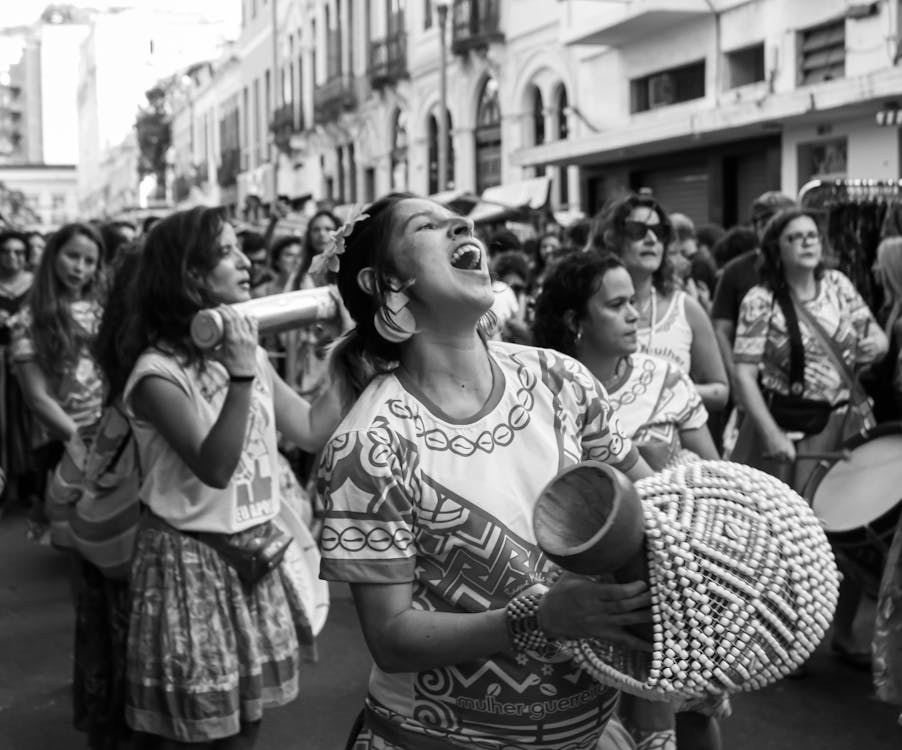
(854, 492)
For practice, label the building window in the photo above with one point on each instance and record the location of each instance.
(427, 14)
(245, 131)
(823, 160)
(563, 127)
(433, 155)
(745, 66)
(538, 117)
(822, 53)
(300, 91)
(369, 184)
(258, 115)
(340, 168)
(488, 137)
(399, 152)
(668, 87)
(352, 173)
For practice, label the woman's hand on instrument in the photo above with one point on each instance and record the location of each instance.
(777, 445)
(578, 607)
(238, 352)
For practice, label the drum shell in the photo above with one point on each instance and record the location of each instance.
(862, 549)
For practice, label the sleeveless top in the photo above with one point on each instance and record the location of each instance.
(671, 337)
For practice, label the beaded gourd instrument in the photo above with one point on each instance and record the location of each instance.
(743, 584)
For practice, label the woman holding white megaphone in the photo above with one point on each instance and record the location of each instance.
(208, 557)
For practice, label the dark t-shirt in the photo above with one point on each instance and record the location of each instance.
(739, 275)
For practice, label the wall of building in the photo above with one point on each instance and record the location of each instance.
(50, 191)
(59, 46)
(872, 151)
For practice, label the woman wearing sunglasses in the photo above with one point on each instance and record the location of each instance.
(672, 325)
(785, 376)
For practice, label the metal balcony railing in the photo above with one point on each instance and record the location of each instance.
(388, 60)
(475, 25)
(333, 97)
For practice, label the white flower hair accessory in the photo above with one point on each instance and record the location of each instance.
(328, 259)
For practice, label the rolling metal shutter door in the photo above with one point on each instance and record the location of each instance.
(683, 190)
(751, 181)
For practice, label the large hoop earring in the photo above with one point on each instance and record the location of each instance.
(394, 319)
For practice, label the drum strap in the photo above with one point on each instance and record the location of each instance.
(857, 395)
(832, 351)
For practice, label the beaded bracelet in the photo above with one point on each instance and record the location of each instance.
(523, 625)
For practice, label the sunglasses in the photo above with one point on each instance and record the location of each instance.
(638, 230)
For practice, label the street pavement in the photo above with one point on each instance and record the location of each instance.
(831, 709)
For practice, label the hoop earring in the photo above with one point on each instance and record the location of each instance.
(394, 319)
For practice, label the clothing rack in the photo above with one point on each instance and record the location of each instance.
(817, 194)
(857, 214)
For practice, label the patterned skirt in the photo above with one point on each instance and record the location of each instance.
(205, 652)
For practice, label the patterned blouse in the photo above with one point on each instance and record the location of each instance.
(761, 337)
(656, 402)
(415, 496)
(80, 388)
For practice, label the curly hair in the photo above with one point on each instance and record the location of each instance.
(167, 291)
(565, 294)
(770, 267)
(58, 338)
(609, 234)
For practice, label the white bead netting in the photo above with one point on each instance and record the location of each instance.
(743, 585)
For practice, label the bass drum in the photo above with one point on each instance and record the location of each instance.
(858, 499)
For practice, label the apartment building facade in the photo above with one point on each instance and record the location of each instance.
(705, 102)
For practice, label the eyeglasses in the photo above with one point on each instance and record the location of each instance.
(638, 230)
(804, 237)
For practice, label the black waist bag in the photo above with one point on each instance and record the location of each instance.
(796, 414)
(254, 558)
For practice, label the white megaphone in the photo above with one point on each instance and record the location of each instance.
(277, 312)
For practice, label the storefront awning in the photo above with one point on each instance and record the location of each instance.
(515, 200)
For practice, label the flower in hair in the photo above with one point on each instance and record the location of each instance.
(328, 259)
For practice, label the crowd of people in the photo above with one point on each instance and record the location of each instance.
(418, 426)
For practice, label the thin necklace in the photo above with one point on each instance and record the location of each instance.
(618, 377)
(652, 320)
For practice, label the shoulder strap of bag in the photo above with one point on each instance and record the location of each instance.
(796, 347)
(856, 391)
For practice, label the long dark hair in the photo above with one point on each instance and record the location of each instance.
(609, 234)
(307, 253)
(58, 338)
(110, 346)
(362, 352)
(167, 291)
(770, 267)
(566, 291)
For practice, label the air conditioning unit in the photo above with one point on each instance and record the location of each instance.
(661, 90)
